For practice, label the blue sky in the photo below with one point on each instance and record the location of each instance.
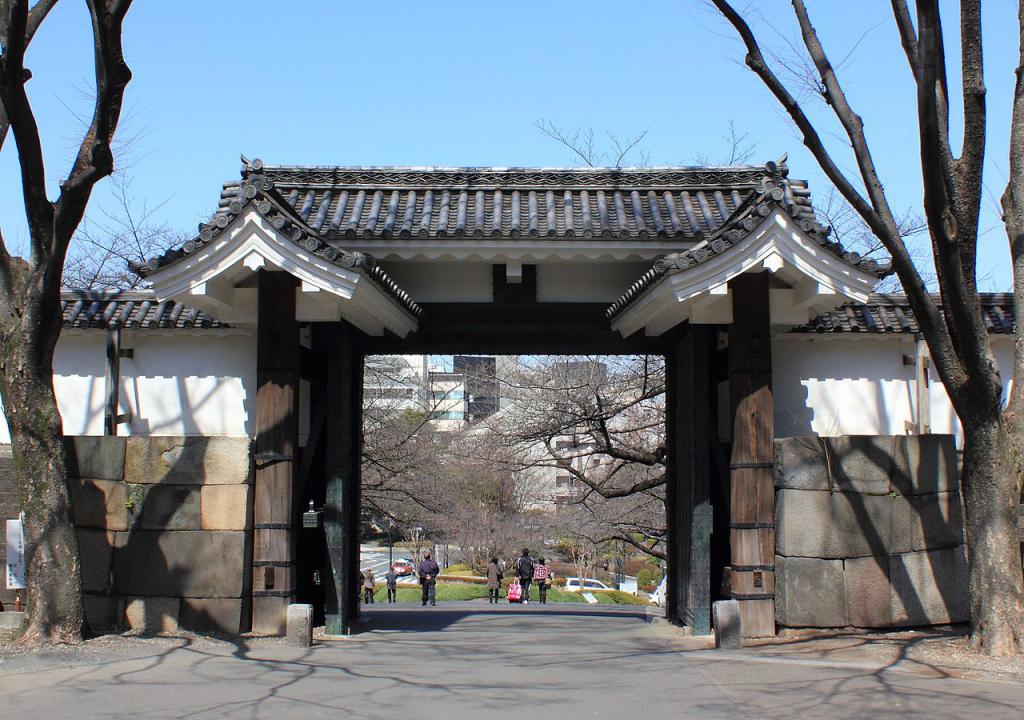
(462, 83)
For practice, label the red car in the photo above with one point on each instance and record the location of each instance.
(403, 567)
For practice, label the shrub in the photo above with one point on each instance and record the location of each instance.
(458, 569)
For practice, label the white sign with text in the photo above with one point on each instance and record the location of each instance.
(15, 555)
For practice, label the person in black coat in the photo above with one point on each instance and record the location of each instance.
(428, 571)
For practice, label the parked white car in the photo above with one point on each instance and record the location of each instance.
(572, 584)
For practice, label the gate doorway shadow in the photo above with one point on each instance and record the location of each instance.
(412, 618)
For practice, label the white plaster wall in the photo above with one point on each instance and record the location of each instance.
(828, 385)
(443, 281)
(589, 282)
(842, 386)
(178, 383)
(190, 384)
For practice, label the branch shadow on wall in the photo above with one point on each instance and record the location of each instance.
(158, 563)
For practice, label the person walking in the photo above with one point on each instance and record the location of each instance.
(494, 576)
(392, 582)
(524, 569)
(428, 571)
(369, 584)
(542, 576)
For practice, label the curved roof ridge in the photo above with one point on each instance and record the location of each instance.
(774, 191)
(258, 191)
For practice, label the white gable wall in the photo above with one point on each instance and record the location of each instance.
(857, 385)
(179, 383)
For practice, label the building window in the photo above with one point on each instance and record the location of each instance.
(446, 394)
(446, 415)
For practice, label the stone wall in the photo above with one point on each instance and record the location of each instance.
(869, 532)
(164, 530)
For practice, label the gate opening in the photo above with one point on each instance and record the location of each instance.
(475, 457)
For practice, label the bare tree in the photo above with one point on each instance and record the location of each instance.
(30, 317)
(741, 149)
(593, 153)
(849, 229)
(952, 323)
(597, 423)
(108, 242)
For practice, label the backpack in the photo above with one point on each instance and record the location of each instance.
(525, 566)
(514, 592)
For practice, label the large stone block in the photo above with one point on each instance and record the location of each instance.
(800, 464)
(99, 503)
(926, 464)
(863, 463)
(810, 592)
(96, 550)
(96, 457)
(222, 615)
(929, 587)
(868, 592)
(188, 460)
(812, 523)
(153, 614)
(938, 521)
(164, 507)
(225, 507)
(103, 612)
(180, 563)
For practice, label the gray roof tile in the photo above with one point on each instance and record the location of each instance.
(888, 314)
(135, 309)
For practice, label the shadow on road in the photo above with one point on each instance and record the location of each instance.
(412, 618)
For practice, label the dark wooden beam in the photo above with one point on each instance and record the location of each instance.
(751, 467)
(277, 439)
(343, 429)
(688, 500)
(514, 328)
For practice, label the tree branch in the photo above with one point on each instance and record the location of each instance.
(1013, 216)
(13, 76)
(95, 159)
(908, 35)
(36, 16)
(876, 213)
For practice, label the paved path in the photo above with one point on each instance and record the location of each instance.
(552, 662)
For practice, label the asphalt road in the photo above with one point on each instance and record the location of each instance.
(466, 660)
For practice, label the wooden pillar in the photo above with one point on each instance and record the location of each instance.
(277, 439)
(343, 428)
(113, 380)
(752, 526)
(687, 491)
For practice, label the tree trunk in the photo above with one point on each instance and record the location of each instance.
(54, 585)
(994, 560)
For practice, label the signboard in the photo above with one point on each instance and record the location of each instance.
(15, 555)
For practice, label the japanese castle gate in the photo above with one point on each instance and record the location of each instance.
(697, 264)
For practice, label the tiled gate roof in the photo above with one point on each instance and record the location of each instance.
(561, 203)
